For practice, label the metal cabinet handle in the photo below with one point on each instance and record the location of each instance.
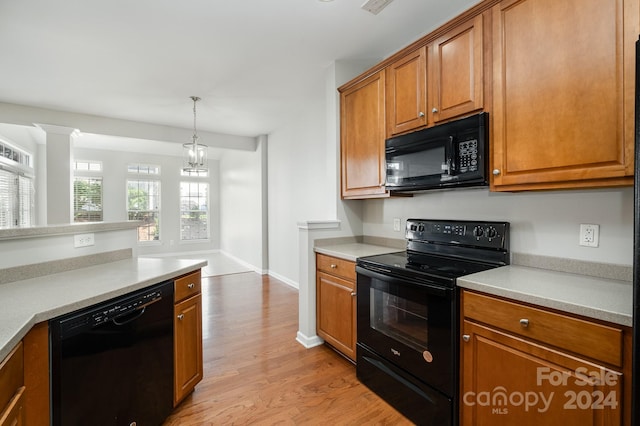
(466, 337)
(191, 285)
(524, 322)
(434, 110)
(333, 266)
(353, 293)
(496, 172)
(421, 114)
(181, 317)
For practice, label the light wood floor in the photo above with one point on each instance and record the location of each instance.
(256, 373)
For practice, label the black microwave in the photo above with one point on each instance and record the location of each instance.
(453, 154)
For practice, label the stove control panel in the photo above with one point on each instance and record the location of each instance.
(468, 233)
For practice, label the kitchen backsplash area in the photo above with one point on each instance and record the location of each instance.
(544, 223)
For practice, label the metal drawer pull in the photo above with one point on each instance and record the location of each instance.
(181, 317)
(524, 322)
(334, 266)
(353, 293)
(191, 285)
(466, 337)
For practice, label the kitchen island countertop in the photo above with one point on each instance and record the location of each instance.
(28, 302)
(592, 297)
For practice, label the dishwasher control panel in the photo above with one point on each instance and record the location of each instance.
(112, 312)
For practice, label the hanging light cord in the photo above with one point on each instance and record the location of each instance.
(195, 134)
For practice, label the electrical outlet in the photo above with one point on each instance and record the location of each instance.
(83, 240)
(396, 224)
(589, 234)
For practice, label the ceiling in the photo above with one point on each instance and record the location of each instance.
(254, 63)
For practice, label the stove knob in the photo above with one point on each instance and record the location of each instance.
(478, 231)
(491, 232)
(421, 228)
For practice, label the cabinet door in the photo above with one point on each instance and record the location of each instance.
(406, 93)
(13, 415)
(506, 380)
(456, 71)
(188, 346)
(362, 138)
(336, 311)
(563, 84)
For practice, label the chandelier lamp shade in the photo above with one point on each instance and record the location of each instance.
(195, 154)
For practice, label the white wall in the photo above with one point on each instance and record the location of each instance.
(243, 206)
(301, 183)
(542, 222)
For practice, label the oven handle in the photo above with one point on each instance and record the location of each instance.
(382, 274)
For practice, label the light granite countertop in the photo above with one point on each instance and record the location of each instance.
(593, 297)
(352, 251)
(28, 302)
(597, 297)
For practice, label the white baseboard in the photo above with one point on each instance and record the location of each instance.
(285, 280)
(309, 342)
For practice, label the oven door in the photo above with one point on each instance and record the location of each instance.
(410, 323)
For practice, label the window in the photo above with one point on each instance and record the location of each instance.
(17, 192)
(87, 191)
(143, 201)
(143, 169)
(17, 200)
(15, 155)
(87, 199)
(87, 166)
(194, 211)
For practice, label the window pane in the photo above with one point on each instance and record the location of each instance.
(87, 199)
(194, 211)
(17, 197)
(143, 203)
(144, 169)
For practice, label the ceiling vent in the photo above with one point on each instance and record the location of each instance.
(375, 6)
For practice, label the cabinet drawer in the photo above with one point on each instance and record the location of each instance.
(187, 286)
(597, 341)
(335, 266)
(11, 375)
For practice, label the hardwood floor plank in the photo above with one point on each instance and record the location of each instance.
(255, 372)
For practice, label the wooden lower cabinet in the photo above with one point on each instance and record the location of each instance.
(12, 388)
(188, 364)
(518, 370)
(336, 303)
(36, 375)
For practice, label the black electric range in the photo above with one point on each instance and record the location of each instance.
(407, 313)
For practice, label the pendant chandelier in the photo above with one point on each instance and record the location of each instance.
(195, 154)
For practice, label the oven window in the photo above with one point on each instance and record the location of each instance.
(399, 319)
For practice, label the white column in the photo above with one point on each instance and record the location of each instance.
(307, 234)
(59, 173)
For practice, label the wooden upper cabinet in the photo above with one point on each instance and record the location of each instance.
(406, 93)
(563, 85)
(437, 82)
(456, 71)
(362, 132)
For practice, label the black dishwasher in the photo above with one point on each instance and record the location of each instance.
(112, 363)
